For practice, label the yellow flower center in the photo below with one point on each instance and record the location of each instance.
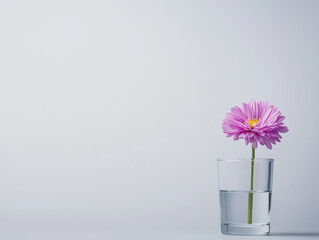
(252, 122)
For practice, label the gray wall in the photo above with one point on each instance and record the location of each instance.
(111, 112)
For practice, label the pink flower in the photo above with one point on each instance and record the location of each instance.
(256, 122)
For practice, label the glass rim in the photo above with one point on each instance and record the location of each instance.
(244, 159)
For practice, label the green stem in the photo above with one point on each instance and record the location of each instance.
(250, 197)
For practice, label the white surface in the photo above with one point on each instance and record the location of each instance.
(111, 112)
(81, 234)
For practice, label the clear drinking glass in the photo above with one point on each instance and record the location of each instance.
(245, 195)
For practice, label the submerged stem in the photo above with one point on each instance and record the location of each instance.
(250, 197)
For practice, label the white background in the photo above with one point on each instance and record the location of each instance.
(111, 113)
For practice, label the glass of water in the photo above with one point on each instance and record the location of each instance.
(245, 195)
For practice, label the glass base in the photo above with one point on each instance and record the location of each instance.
(245, 229)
